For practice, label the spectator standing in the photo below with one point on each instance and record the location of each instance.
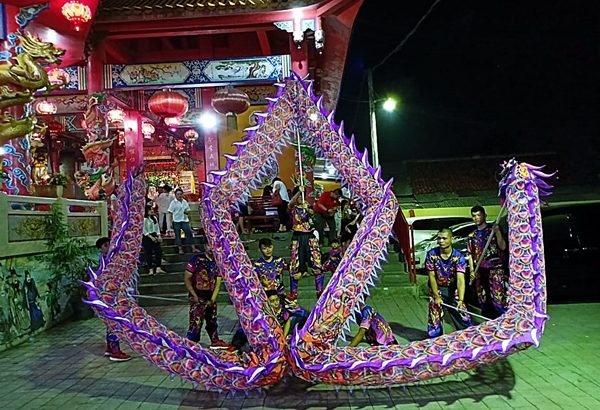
(179, 208)
(280, 189)
(325, 209)
(151, 241)
(165, 219)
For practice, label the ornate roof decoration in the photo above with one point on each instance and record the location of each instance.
(110, 10)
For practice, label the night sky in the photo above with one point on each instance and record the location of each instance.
(477, 78)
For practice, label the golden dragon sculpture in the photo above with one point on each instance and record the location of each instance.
(20, 78)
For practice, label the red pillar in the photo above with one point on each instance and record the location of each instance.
(95, 69)
(134, 140)
(211, 139)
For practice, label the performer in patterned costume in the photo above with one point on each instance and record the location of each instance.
(288, 315)
(113, 347)
(202, 281)
(335, 256)
(373, 329)
(446, 268)
(305, 246)
(491, 279)
(270, 268)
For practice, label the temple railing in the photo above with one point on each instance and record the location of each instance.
(22, 217)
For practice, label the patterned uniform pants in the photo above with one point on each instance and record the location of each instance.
(436, 313)
(492, 288)
(199, 313)
(305, 251)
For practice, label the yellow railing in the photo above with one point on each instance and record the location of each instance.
(21, 222)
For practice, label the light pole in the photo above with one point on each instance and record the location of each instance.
(372, 120)
(389, 105)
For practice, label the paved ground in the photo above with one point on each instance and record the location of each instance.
(65, 368)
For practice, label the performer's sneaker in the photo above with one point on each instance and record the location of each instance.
(119, 356)
(219, 344)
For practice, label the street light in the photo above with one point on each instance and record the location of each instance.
(389, 105)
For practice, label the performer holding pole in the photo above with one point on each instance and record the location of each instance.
(487, 245)
(446, 268)
(305, 251)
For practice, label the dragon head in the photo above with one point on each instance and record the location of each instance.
(37, 48)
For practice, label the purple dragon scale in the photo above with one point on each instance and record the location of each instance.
(313, 353)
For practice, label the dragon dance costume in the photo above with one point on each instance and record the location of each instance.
(446, 272)
(204, 277)
(491, 280)
(305, 251)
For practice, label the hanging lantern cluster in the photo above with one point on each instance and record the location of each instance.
(115, 116)
(76, 12)
(191, 135)
(172, 122)
(45, 107)
(148, 129)
(230, 101)
(168, 104)
(58, 76)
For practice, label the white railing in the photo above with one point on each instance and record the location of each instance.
(21, 222)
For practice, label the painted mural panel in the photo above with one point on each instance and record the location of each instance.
(29, 301)
(26, 303)
(198, 72)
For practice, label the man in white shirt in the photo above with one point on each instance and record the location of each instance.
(179, 210)
(163, 200)
(282, 208)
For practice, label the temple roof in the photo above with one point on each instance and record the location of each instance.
(110, 10)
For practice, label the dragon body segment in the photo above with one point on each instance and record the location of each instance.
(313, 353)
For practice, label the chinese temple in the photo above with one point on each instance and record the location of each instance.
(165, 82)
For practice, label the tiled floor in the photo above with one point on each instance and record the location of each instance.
(65, 368)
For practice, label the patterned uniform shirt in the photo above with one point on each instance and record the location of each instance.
(378, 331)
(204, 272)
(445, 270)
(476, 243)
(270, 273)
(301, 220)
(335, 256)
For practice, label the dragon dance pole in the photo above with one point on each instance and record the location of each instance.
(301, 171)
(466, 311)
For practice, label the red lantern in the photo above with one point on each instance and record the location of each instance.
(58, 76)
(148, 129)
(172, 122)
(230, 101)
(191, 134)
(76, 12)
(168, 104)
(115, 116)
(45, 107)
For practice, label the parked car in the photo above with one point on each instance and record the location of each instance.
(571, 250)
(426, 226)
(459, 232)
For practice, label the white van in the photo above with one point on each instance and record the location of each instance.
(424, 227)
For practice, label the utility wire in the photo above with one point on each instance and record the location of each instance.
(399, 46)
